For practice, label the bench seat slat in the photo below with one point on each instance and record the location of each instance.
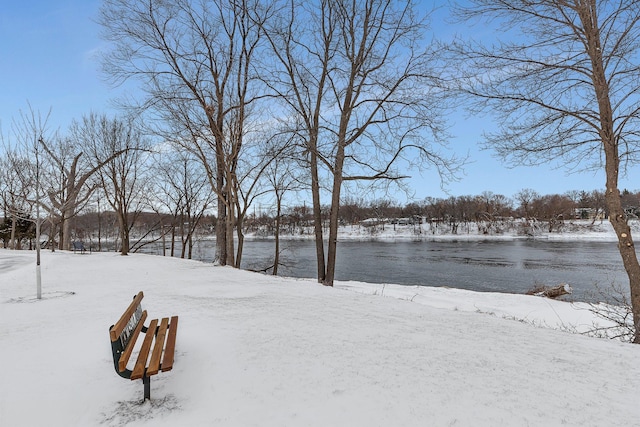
(154, 363)
(141, 362)
(126, 354)
(169, 350)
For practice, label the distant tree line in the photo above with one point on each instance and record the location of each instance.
(179, 232)
(526, 203)
(487, 207)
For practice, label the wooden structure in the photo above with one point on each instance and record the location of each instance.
(157, 350)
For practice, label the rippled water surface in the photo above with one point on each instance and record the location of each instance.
(498, 266)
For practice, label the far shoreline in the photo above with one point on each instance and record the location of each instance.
(578, 230)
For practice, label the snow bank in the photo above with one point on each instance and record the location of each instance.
(254, 350)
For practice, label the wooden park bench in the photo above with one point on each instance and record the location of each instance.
(157, 349)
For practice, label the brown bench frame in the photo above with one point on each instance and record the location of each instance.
(157, 350)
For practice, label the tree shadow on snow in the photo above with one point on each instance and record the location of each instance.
(127, 412)
(45, 296)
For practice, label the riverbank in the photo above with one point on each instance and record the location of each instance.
(468, 231)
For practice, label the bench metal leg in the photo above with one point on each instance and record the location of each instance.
(147, 387)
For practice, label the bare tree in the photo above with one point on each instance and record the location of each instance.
(248, 187)
(182, 188)
(525, 198)
(193, 59)
(68, 179)
(283, 176)
(363, 94)
(17, 176)
(59, 161)
(564, 85)
(30, 132)
(121, 178)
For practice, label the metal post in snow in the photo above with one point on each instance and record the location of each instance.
(38, 275)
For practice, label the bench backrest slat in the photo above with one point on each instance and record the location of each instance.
(128, 349)
(131, 326)
(128, 321)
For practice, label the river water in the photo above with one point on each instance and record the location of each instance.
(512, 266)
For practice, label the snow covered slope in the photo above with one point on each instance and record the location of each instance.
(254, 350)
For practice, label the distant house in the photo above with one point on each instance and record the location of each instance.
(588, 213)
(371, 222)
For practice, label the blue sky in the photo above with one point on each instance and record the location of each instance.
(46, 49)
(48, 60)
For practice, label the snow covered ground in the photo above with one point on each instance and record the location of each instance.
(254, 350)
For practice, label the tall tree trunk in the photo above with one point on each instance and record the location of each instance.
(12, 242)
(61, 232)
(124, 232)
(52, 232)
(65, 239)
(67, 213)
(334, 217)
(183, 239)
(221, 221)
(317, 216)
(618, 220)
(276, 255)
(229, 233)
(627, 251)
(240, 248)
(617, 216)
(173, 241)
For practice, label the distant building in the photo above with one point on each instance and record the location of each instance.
(589, 213)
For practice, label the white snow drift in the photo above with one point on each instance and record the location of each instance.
(254, 350)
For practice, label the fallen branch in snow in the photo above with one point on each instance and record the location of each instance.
(615, 310)
(551, 292)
